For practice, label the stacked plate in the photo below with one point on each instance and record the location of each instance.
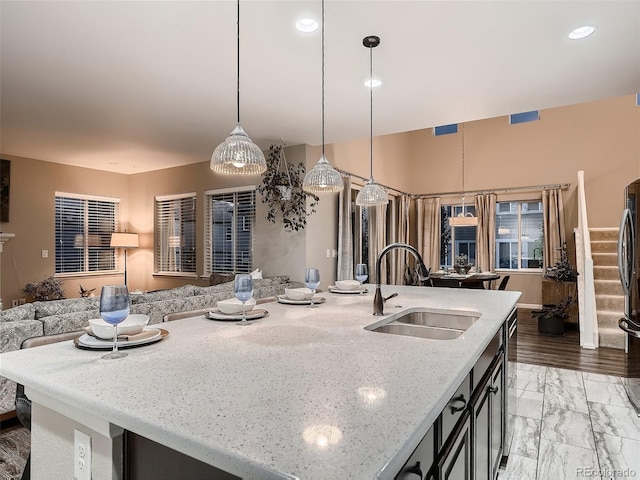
(147, 336)
(291, 301)
(217, 314)
(358, 290)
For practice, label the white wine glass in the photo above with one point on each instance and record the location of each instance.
(362, 273)
(114, 308)
(243, 290)
(312, 281)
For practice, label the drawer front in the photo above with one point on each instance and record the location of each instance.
(421, 459)
(486, 358)
(455, 408)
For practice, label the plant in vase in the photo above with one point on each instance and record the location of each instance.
(552, 316)
(48, 289)
(461, 264)
(281, 190)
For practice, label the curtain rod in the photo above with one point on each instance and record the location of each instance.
(449, 194)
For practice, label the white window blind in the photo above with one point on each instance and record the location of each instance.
(84, 225)
(175, 234)
(230, 222)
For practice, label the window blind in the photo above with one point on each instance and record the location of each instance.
(230, 223)
(175, 234)
(84, 225)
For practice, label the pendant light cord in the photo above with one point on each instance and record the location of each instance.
(322, 15)
(238, 66)
(463, 168)
(371, 110)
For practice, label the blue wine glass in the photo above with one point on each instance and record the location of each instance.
(312, 281)
(243, 290)
(362, 273)
(114, 308)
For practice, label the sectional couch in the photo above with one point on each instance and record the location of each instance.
(68, 315)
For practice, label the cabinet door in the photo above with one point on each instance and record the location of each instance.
(481, 431)
(497, 416)
(454, 461)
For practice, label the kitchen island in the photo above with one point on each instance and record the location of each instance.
(302, 393)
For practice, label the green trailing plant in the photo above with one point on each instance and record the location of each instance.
(281, 190)
(461, 263)
(562, 270)
(85, 292)
(48, 289)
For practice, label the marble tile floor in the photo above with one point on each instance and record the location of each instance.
(572, 425)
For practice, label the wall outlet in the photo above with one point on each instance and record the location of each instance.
(45, 253)
(81, 456)
(22, 301)
(15, 302)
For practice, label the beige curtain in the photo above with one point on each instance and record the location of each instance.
(428, 213)
(345, 232)
(377, 241)
(486, 232)
(553, 224)
(399, 257)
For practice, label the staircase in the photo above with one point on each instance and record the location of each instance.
(608, 289)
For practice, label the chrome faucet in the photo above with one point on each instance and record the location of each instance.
(421, 269)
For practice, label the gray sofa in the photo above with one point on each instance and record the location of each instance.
(68, 315)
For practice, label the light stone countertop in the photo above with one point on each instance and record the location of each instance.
(256, 401)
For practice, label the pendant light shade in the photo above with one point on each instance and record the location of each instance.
(372, 194)
(322, 178)
(238, 155)
(463, 219)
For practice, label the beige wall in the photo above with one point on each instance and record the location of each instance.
(602, 138)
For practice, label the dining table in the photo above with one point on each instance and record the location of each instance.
(468, 280)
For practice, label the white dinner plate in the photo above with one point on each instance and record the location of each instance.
(289, 301)
(334, 289)
(89, 341)
(216, 314)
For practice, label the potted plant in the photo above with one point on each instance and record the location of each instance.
(281, 190)
(560, 283)
(461, 264)
(48, 289)
(552, 316)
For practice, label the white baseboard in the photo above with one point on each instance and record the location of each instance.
(532, 306)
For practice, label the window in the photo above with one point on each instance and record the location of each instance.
(445, 129)
(524, 117)
(456, 240)
(175, 234)
(230, 223)
(84, 225)
(519, 236)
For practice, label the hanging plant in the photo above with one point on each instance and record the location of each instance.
(281, 190)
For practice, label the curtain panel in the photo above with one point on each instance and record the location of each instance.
(345, 232)
(429, 220)
(377, 242)
(399, 266)
(486, 232)
(553, 225)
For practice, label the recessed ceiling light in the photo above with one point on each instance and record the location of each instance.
(582, 32)
(372, 83)
(307, 25)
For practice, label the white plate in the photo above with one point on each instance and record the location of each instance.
(334, 289)
(216, 314)
(89, 341)
(289, 301)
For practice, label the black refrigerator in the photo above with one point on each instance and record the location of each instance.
(629, 267)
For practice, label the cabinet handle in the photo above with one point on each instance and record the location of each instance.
(459, 398)
(416, 470)
(493, 390)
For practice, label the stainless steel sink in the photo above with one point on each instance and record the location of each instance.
(437, 319)
(434, 333)
(424, 323)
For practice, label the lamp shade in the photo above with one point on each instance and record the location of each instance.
(463, 221)
(124, 240)
(371, 195)
(322, 178)
(238, 155)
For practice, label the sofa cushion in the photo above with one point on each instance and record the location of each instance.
(68, 322)
(21, 312)
(218, 278)
(220, 288)
(68, 305)
(171, 293)
(275, 280)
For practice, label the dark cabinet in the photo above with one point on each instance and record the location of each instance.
(454, 460)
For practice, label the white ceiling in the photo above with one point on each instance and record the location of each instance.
(136, 86)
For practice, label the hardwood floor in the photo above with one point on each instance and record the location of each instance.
(565, 351)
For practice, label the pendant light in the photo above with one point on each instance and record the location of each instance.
(322, 178)
(238, 155)
(462, 219)
(372, 194)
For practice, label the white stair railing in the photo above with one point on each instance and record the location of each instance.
(587, 317)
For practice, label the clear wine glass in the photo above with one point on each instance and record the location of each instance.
(243, 290)
(312, 281)
(114, 308)
(362, 273)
